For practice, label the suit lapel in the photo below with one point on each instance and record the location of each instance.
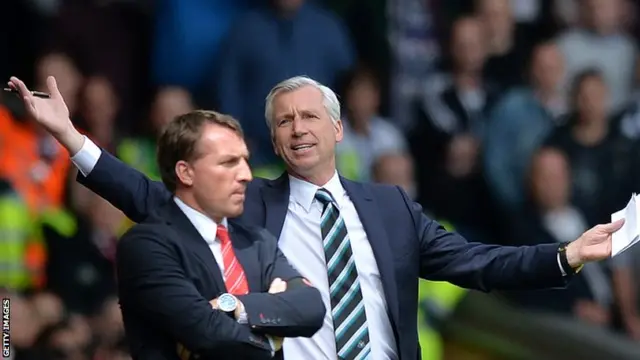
(194, 242)
(276, 200)
(371, 219)
(245, 253)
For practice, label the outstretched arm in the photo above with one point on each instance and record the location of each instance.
(124, 187)
(447, 256)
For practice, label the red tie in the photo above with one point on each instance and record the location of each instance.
(234, 278)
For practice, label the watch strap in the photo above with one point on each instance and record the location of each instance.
(569, 270)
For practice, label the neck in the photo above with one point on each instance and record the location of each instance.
(189, 200)
(318, 178)
(467, 80)
(546, 97)
(500, 45)
(591, 133)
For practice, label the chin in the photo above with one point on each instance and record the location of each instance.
(235, 211)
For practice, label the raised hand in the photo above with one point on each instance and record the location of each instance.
(52, 114)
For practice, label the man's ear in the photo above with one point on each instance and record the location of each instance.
(273, 143)
(339, 130)
(184, 173)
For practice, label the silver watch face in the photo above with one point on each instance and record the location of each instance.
(227, 302)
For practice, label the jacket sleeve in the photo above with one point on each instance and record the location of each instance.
(152, 283)
(447, 256)
(296, 312)
(125, 187)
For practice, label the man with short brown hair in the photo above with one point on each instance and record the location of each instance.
(166, 274)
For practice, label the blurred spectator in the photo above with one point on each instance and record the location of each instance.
(549, 218)
(508, 46)
(603, 293)
(519, 124)
(32, 162)
(21, 249)
(100, 108)
(65, 70)
(285, 39)
(627, 121)
(80, 268)
(447, 144)
(366, 134)
(599, 42)
(140, 151)
(109, 330)
(413, 34)
(395, 169)
(603, 175)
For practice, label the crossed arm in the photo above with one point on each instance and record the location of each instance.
(152, 282)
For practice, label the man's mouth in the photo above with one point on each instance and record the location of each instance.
(302, 147)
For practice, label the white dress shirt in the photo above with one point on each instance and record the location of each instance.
(301, 242)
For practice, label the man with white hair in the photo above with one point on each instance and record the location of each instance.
(364, 246)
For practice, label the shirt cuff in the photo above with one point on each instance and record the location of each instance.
(564, 273)
(87, 158)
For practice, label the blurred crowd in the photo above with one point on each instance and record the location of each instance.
(516, 121)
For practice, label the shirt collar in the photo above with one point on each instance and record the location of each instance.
(304, 192)
(205, 225)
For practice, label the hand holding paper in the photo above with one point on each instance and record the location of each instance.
(629, 234)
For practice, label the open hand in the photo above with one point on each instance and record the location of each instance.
(52, 114)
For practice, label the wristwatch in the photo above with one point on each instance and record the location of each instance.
(227, 303)
(562, 252)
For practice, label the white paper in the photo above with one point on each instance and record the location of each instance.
(629, 234)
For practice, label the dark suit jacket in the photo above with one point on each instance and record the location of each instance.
(167, 275)
(405, 242)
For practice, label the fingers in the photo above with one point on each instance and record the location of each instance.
(19, 85)
(277, 286)
(613, 226)
(52, 86)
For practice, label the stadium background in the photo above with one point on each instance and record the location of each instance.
(511, 121)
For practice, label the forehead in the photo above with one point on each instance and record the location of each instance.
(304, 98)
(219, 140)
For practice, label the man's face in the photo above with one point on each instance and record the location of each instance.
(304, 134)
(550, 179)
(603, 15)
(363, 99)
(169, 103)
(220, 172)
(468, 48)
(396, 169)
(547, 68)
(592, 99)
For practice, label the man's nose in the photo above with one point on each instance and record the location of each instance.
(298, 127)
(244, 175)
